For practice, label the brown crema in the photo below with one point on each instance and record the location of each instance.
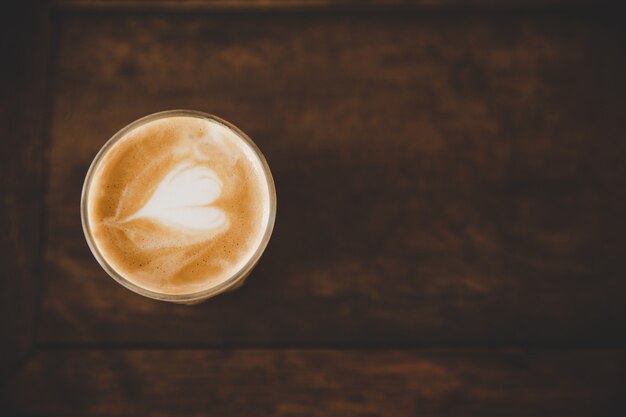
(178, 205)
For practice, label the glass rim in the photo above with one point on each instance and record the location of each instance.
(197, 296)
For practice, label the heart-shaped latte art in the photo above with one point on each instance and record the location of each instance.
(182, 200)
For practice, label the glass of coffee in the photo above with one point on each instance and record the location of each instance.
(178, 206)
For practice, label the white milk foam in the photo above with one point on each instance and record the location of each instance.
(182, 200)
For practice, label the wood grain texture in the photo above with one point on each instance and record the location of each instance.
(318, 383)
(442, 180)
(192, 5)
(22, 81)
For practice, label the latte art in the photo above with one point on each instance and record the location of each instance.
(182, 200)
(178, 204)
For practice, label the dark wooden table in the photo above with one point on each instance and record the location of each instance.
(450, 234)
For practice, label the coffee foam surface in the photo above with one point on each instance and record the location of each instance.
(178, 204)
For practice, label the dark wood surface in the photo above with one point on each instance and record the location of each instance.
(441, 179)
(449, 238)
(23, 100)
(186, 5)
(320, 383)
